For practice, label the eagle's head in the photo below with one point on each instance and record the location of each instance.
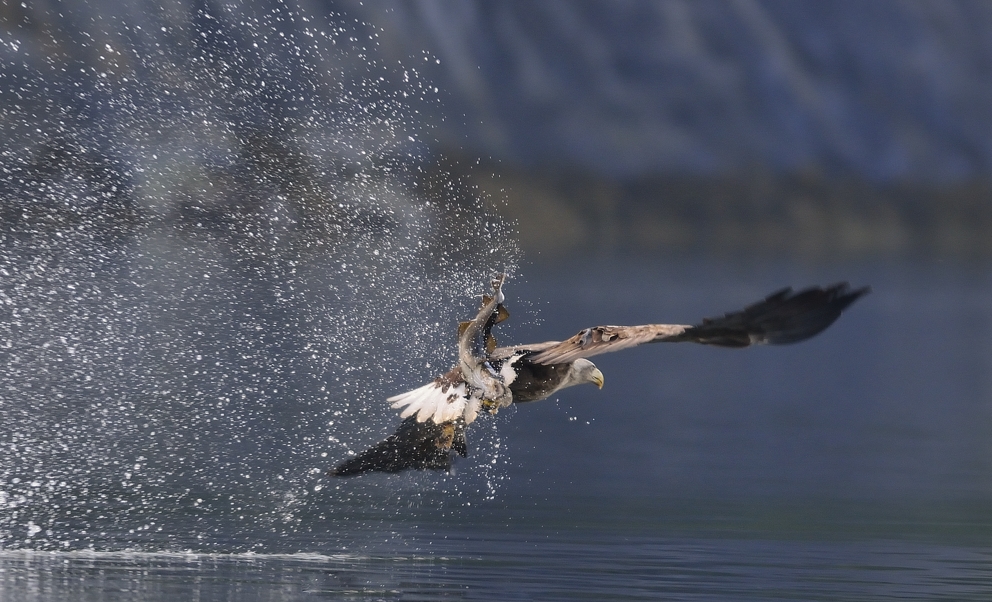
(584, 371)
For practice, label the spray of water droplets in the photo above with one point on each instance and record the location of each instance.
(224, 243)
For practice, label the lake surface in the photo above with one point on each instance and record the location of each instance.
(168, 407)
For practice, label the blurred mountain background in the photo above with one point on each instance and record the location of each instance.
(829, 129)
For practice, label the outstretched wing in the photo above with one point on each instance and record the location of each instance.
(782, 317)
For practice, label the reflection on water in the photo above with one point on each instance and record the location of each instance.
(505, 568)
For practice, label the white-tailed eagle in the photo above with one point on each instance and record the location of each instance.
(488, 377)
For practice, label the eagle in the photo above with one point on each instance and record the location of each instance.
(488, 377)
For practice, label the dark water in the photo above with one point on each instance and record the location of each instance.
(168, 406)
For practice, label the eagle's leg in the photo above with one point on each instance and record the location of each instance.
(452, 438)
(495, 405)
(446, 437)
(490, 406)
(497, 396)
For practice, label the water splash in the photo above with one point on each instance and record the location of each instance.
(224, 245)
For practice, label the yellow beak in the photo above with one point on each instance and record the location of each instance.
(597, 378)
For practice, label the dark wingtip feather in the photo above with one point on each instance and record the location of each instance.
(782, 318)
(805, 314)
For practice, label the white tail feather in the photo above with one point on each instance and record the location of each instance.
(432, 402)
